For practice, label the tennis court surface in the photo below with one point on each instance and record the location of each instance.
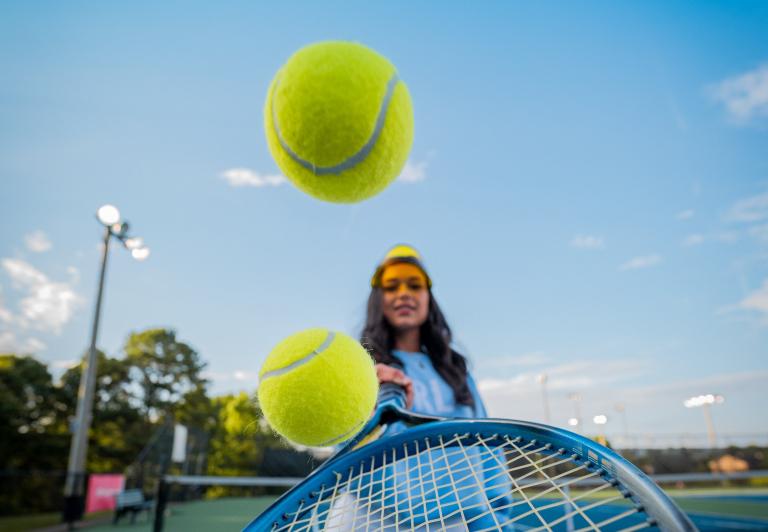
(719, 510)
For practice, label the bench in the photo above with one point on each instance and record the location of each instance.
(130, 501)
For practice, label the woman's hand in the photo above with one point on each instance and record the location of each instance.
(387, 373)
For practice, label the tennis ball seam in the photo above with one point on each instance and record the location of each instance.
(344, 436)
(351, 161)
(303, 360)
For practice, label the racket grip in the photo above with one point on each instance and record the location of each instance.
(391, 393)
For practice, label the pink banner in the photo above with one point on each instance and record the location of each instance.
(102, 490)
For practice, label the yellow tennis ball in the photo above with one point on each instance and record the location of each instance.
(318, 387)
(339, 121)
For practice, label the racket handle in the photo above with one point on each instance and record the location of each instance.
(393, 394)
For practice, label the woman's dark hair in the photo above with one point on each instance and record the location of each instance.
(378, 337)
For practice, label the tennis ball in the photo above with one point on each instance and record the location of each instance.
(339, 121)
(318, 387)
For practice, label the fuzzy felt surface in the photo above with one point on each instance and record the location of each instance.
(326, 100)
(323, 400)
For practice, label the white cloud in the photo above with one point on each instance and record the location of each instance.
(535, 358)
(570, 376)
(241, 375)
(33, 345)
(685, 215)
(37, 241)
(519, 396)
(243, 177)
(587, 242)
(413, 172)
(65, 364)
(46, 305)
(74, 274)
(745, 96)
(645, 261)
(752, 209)
(757, 300)
(6, 316)
(693, 240)
(228, 376)
(727, 237)
(684, 388)
(7, 342)
(10, 343)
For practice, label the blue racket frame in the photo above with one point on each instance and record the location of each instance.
(631, 481)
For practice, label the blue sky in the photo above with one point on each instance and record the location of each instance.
(589, 187)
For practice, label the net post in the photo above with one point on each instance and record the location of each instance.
(163, 488)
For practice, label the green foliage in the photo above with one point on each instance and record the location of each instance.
(163, 368)
(118, 430)
(238, 440)
(33, 442)
(28, 399)
(155, 383)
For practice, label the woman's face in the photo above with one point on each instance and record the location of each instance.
(405, 296)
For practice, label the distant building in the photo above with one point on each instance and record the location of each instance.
(728, 464)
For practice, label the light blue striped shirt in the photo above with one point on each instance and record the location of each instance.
(431, 394)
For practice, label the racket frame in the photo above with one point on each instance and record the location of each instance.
(369, 443)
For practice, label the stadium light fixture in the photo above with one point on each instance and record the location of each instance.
(74, 487)
(140, 253)
(701, 400)
(134, 242)
(600, 419)
(705, 401)
(108, 214)
(573, 422)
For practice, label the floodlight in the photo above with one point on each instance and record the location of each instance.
(140, 253)
(108, 214)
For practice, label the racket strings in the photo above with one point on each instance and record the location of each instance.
(468, 482)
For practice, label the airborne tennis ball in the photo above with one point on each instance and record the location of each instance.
(339, 121)
(318, 387)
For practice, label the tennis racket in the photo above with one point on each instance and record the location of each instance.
(407, 471)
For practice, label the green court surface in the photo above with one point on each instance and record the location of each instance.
(734, 502)
(210, 515)
(710, 509)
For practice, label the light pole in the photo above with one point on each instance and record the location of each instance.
(576, 398)
(74, 487)
(543, 381)
(704, 401)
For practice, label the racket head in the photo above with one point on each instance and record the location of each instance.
(531, 456)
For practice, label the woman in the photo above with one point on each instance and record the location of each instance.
(405, 328)
(408, 336)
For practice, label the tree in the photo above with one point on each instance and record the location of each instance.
(29, 403)
(240, 437)
(33, 438)
(118, 428)
(164, 369)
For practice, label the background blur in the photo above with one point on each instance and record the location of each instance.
(588, 186)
